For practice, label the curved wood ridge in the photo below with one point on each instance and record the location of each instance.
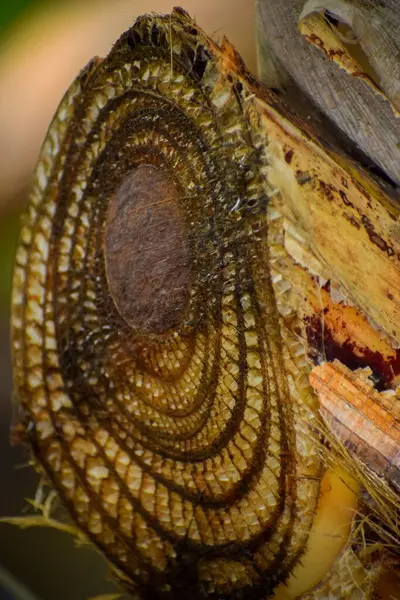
(160, 347)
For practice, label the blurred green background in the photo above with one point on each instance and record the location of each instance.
(9, 11)
(43, 44)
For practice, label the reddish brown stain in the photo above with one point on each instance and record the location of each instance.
(323, 346)
(314, 39)
(335, 53)
(352, 220)
(327, 189)
(345, 199)
(289, 156)
(376, 238)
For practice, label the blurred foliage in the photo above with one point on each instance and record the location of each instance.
(9, 223)
(9, 227)
(10, 10)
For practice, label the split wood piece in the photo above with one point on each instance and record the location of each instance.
(333, 327)
(367, 422)
(287, 60)
(376, 27)
(350, 224)
(319, 32)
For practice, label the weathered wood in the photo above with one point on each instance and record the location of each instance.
(349, 102)
(376, 26)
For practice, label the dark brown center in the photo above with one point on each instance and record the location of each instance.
(147, 251)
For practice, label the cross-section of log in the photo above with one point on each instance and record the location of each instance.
(160, 356)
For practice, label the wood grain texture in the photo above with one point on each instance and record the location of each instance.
(376, 26)
(366, 421)
(366, 118)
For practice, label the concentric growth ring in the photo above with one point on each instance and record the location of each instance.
(147, 351)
